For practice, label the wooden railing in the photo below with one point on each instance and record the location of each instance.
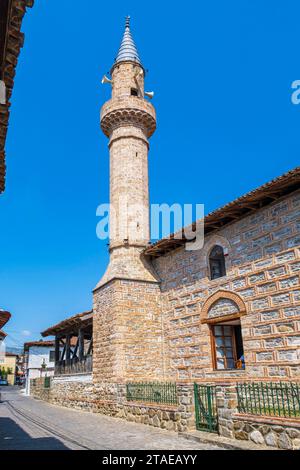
(74, 366)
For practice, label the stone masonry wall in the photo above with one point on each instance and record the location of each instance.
(283, 433)
(263, 266)
(110, 399)
(127, 327)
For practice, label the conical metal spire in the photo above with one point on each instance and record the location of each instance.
(128, 50)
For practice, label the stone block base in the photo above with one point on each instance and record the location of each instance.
(110, 399)
(283, 433)
(278, 432)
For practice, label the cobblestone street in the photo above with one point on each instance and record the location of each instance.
(28, 424)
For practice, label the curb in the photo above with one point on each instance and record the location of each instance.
(224, 442)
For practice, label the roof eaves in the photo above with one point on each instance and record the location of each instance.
(234, 210)
(68, 322)
(11, 46)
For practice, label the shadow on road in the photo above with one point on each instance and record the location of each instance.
(13, 437)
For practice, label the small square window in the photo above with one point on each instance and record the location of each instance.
(134, 92)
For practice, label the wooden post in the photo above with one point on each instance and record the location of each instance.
(68, 349)
(57, 358)
(81, 344)
(90, 347)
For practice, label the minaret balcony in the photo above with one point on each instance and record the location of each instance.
(128, 110)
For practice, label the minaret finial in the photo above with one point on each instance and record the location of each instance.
(128, 50)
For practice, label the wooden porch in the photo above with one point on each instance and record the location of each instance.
(73, 345)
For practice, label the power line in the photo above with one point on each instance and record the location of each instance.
(17, 342)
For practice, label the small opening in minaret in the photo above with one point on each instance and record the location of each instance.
(134, 92)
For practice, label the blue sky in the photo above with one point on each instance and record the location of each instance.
(222, 74)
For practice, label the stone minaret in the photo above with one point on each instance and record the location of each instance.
(128, 120)
(127, 326)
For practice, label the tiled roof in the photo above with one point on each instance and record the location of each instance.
(42, 344)
(240, 207)
(69, 323)
(4, 317)
(11, 42)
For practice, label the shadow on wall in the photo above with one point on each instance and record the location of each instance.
(13, 437)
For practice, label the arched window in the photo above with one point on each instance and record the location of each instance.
(222, 311)
(217, 262)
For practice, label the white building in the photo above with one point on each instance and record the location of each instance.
(39, 360)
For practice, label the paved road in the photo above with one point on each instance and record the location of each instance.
(28, 424)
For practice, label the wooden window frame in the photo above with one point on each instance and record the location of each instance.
(52, 355)
(214, 346)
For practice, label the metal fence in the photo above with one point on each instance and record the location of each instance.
(152, 392)
(206, 410)
(269, 398)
